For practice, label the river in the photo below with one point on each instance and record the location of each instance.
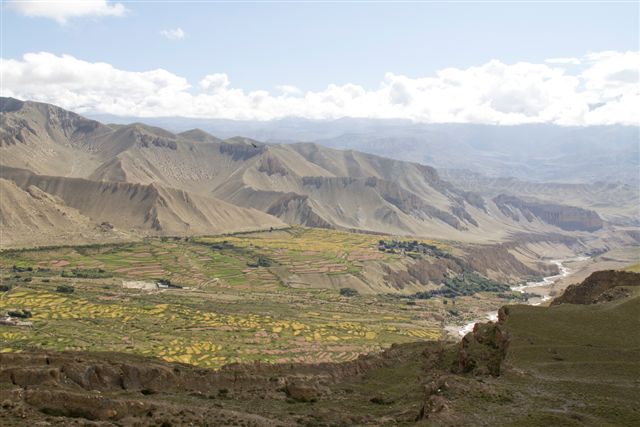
(542, 292)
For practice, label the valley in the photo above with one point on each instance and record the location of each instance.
(293, 295)
(319, 213)
(247, 280)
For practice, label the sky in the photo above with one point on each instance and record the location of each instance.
(502, 62)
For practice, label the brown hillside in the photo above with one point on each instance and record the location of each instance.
(599, 287)
(299, 183)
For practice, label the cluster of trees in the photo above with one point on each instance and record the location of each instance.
(87, 273)
(21, 268)
(65, 289)
(409, 247)
(464, 285)
(262, 261)
(348, 292)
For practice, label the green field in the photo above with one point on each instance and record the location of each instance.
(229, 309)
(635, 268)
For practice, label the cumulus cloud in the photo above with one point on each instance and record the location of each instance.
(62, 11)
(173, 34)
(215, 82)
(603, 89)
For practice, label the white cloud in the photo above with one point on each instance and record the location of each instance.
(174, 34)
(289, 90)
(62, 11)
(603, 89)
(568, 61)
(215, 82)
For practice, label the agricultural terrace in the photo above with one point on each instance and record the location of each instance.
(233, 307)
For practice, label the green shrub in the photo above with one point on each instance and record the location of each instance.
(262, 261)
(21, 267)
(65, 289)
(87, 273)
(348, 292)
(42, 272)
(23, 314)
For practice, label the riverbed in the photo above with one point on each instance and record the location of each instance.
(541, 290)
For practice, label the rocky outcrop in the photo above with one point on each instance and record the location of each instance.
(497, 261)
(130, 390)
(294, 208)
(568, 218)
(415, 206)
(305, 391)
(272, 166)
(482, 350)
(240, 151)
(601, 286)
(425, 271)
(53, 121)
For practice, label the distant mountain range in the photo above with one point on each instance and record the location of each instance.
(138, 178)
(534, 152)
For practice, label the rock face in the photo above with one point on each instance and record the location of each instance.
(482, 350)
(568, 218)
(497, 258)
(304, 392)
(72, 388)
(601, 286)
(295, 208)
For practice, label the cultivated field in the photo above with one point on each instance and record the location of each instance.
(231, 304)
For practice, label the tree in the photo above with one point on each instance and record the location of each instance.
(65, 289)
(348, 292)
(264, 261)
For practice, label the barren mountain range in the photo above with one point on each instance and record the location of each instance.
(530, 152)
(142, 179)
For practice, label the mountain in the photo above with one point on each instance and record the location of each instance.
(144, 207)
(531, 152)
(616, 202)
(148, 179)
(61, 154)
(28, 214)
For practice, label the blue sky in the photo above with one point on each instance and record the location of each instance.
(310, 45)
(423, 61)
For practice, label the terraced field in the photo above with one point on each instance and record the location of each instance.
(228, 308)
(308, 250)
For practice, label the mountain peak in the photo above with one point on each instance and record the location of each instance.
(198, 135)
